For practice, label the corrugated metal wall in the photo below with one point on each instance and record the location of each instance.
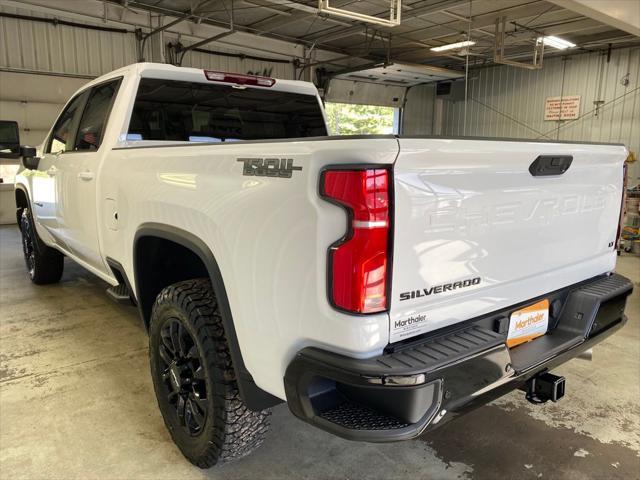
(509, 102)
(27, 45)
(42, 47)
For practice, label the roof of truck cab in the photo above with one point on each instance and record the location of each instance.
(172, 72)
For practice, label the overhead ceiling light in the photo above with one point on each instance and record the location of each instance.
(556, 42)
(453, 46)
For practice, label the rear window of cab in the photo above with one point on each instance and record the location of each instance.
(199, 112)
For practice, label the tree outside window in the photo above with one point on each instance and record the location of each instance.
(347, 119)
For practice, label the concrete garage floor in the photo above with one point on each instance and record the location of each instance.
(76, 401)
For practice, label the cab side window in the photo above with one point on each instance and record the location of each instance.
(61, 140)
(94, 117)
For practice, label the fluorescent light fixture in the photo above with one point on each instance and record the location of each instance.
(556, 42)
(453, 46)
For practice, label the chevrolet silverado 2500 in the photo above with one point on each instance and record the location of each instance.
(379, 285)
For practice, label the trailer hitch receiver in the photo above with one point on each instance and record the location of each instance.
(545, 387)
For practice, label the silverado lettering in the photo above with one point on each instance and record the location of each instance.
(439, 289)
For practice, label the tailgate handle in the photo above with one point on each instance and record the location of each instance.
(550, 165)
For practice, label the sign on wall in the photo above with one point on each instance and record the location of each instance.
(562, 108)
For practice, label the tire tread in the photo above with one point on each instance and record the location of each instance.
(236, 431)
(49, 263)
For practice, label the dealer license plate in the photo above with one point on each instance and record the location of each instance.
(528, 323)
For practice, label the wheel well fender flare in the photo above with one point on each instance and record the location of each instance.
(22, 200)
(254, 397)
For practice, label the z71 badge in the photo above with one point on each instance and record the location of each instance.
(268, 167)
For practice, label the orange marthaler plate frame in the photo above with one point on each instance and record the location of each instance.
(539, 317)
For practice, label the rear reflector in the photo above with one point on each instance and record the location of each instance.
(358, 264)
(239, 79)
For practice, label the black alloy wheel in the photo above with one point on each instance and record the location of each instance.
(28, 247)
(44, 264)
(194, 378)
(183, 376)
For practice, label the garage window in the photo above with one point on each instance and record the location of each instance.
(198, 112)
(351, 119)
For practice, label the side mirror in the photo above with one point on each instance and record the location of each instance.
(29, 158)
(9, 139)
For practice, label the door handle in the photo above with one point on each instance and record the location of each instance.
(52, 171)
(545, 165)
(86, 175)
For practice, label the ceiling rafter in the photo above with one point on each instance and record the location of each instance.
(271, 24)
(264, 5)
(222, 23)
(427, 23)
(405, 39)
(484, 20)
(301, 12)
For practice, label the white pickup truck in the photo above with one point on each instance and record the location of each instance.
(379, 285)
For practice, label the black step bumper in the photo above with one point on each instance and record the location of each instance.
(421, 384)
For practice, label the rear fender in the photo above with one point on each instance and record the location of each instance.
(254, 397)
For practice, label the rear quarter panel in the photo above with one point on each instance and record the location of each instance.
(269, 237)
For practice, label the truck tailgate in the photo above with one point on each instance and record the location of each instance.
(476, 231)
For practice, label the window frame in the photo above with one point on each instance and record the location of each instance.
(75, 124)
(118, 82)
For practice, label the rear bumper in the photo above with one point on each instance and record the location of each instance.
(417, 386)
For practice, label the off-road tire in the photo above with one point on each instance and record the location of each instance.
(44, 264)
(230, 430)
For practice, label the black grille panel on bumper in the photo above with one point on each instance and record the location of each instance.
(355, 416)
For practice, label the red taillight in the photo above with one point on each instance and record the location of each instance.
(358, 264)
(239, 79)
